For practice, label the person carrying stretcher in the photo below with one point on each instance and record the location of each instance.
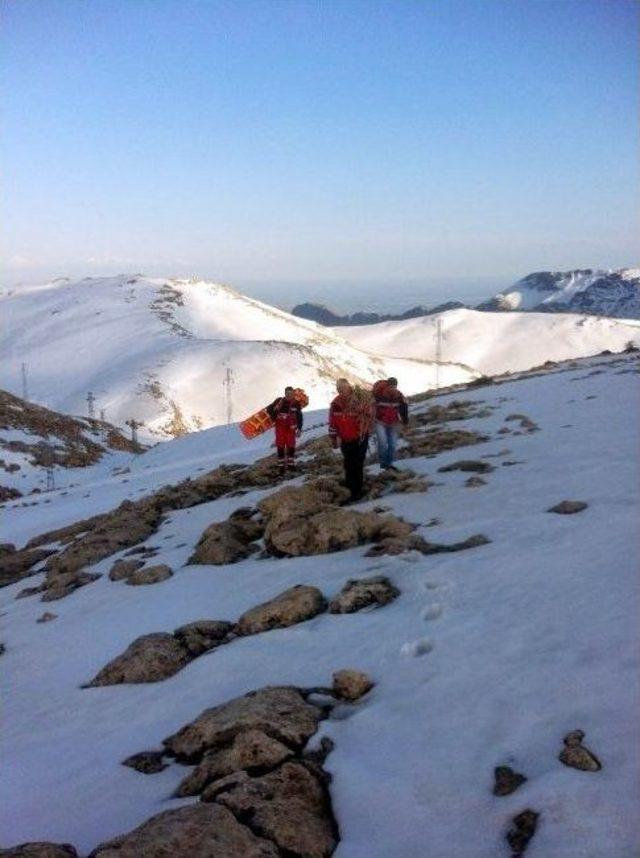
(286, 413)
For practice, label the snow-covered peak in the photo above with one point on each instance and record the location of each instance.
(603, 292)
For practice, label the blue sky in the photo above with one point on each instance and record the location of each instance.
(318, 141)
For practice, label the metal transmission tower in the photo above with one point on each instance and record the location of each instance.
(227, 383)
(102, 414)
(134, 424)
(25, 382)
(91, 411)
(439, 338)
(51, 482)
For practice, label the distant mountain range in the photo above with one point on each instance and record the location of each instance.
(613, 293)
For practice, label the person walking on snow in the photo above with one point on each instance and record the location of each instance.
(350, 421)
(286, 413)
(391, 410)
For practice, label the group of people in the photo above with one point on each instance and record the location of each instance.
(353, 415)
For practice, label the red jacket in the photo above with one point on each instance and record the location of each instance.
(391, 406)
(349, 418)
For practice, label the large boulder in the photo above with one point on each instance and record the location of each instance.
(150, 575)
(196, 831)
(250, 751)
(227, 542)
(66, 583)
(351, 685)
(293, 606)
(121, 569)
(203, 635)
(279, 711)
(363, 593)
(149, 658)
(290, 806)
(15, 565)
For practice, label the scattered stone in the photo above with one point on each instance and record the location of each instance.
(351, 684)
(279, 711)
(575, 755)
(252, 751)
(197, 831)
(293, 606)
(46, 617)
(149, 658)
(66, 583)
(40, 850)
(289, 806)
(416, 543)
(359, 593)
(468, 465)
(568, 507)
(474, 482)
(437, 441)
(146, 762)
(123, 568)
(203, 635)
(507, 781)
(150, 575)
(524, 827)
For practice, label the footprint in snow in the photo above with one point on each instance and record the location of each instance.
(412, 649)
(432, 612)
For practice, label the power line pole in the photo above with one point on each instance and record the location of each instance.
(91, 405)
(25, 382)
(51, 483)
(439, 337)
(227, 383)
(134, 424)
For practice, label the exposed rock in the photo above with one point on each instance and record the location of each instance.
(568, 507)
(30, 591)
(66, 583)
(146, 762)
(474, 482)
(149, 658)
(123, 568)
(574, 754)
(362, 593)
(351, 684)
(46, 617)
(150, 575)
(468, 465)
(318, 755)
(279, 711)
(202, 635)
(196, 831)
(293, 606)
(227, 541)
(289, 806)
(524, 827)
(7, 548)
(415, 542)
(395, 482)
(436, 441)
(15, 565)
(251, 751)
(507, 781)
(40, 850)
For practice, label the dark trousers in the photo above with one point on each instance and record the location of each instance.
(354, 454)
(286, 456)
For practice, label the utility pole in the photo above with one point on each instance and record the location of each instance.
(91, 405)
(134, 424)
(25, 382)
(102, 414)
(51, 482)
(439, 338)
(227, 383)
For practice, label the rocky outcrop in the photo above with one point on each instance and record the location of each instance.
(575, 755)
(40, 849)
(363, 593)
(293, 606)
(15, 565)
(65, 583)
(350, 684)
(252, 751)
(121, 569)
(289, 806)
(197, 831)
(415, 542)
(279, 711)
(149, 575)
(149, 658)
(229, 541)
(431, 442)
(201, 636)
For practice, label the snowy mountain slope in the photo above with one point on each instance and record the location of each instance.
(495, 342)
(34, 439)
(157, 350)
(614, 293)
(521, 641)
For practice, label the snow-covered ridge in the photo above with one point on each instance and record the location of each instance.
(604, 292)
(158, 350)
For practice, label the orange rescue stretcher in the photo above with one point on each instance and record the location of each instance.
(261, 421)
